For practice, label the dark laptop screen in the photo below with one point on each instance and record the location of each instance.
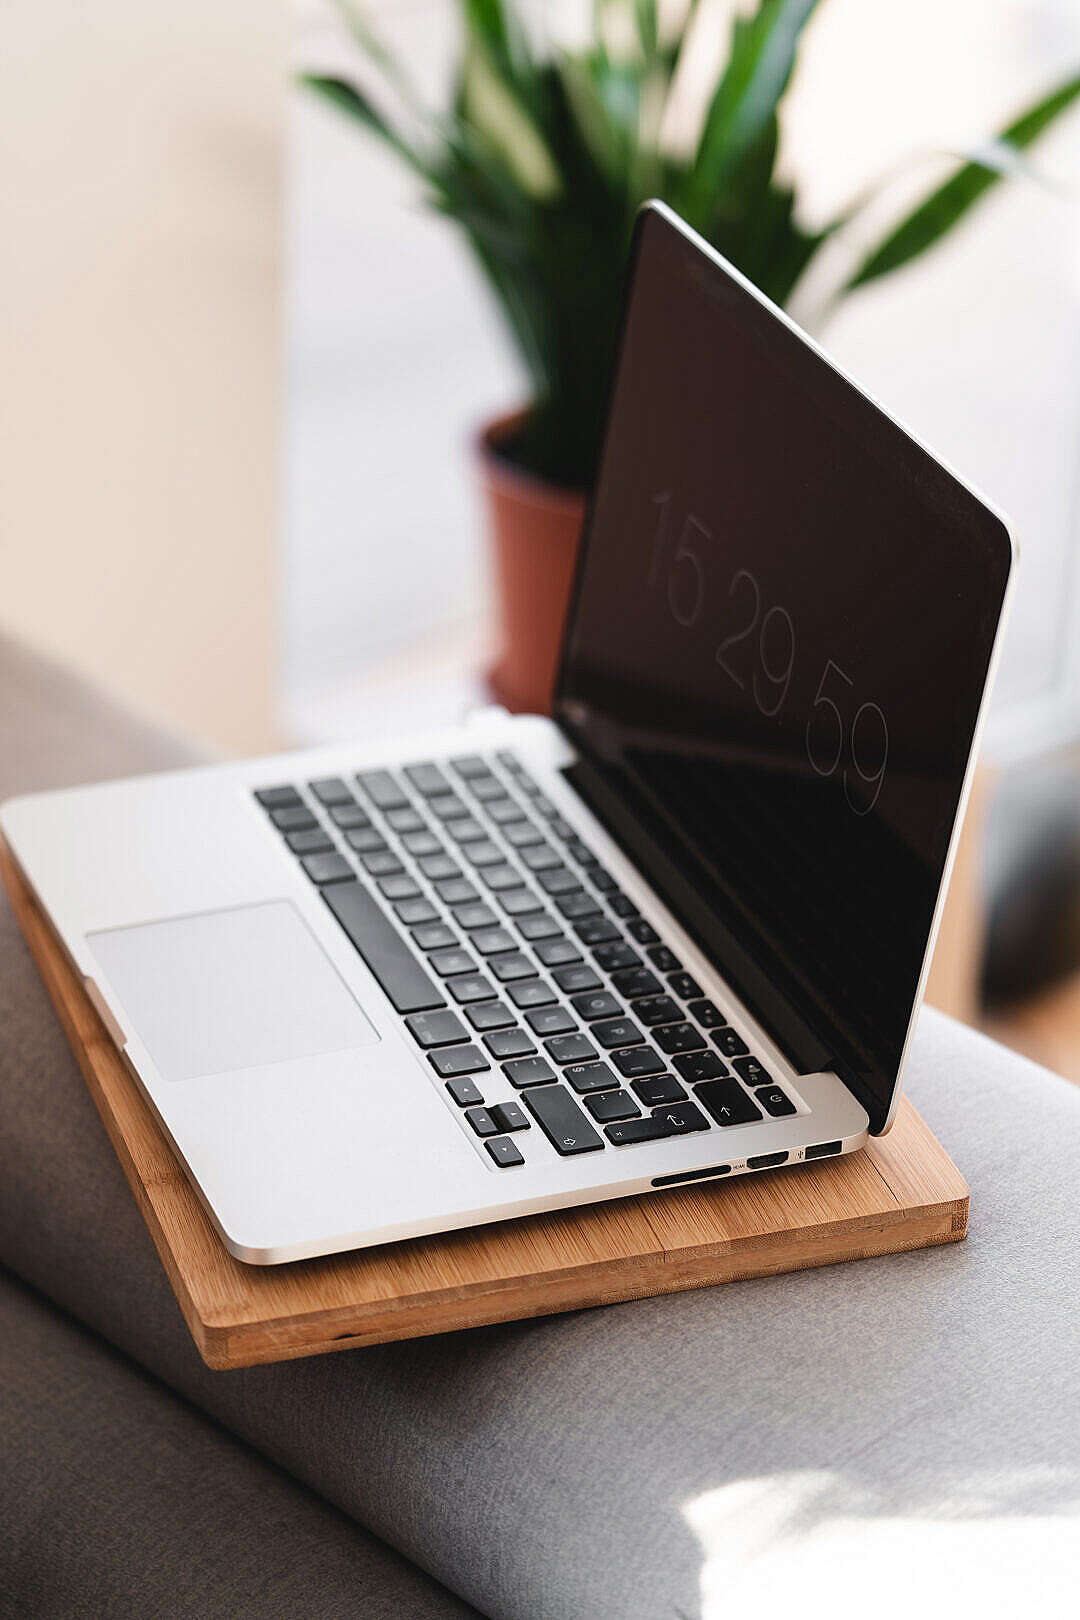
(783, 620)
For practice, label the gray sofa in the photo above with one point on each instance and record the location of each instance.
(911, 1424)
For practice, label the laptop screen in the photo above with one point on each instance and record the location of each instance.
(783, 620)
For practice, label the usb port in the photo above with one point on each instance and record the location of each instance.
(762, 1161)
(822, 1150)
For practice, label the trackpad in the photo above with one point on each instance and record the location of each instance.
(230, 990)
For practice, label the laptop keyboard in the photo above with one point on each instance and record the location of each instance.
(537, 991)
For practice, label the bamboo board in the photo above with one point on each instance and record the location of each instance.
(903, 1192)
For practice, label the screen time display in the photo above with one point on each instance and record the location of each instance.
(782, 626)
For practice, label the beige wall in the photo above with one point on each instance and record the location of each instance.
(139, 345)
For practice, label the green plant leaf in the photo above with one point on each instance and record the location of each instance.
(937, 214)
(348, 99)
(758, 72)
(490, 104)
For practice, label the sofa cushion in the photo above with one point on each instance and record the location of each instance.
(664, 1457)
(118, 1498)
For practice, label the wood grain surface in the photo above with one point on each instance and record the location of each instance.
(903, 1192)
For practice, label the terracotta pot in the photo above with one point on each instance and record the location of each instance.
(535, 531)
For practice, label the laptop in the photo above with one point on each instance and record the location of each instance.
(677, 932)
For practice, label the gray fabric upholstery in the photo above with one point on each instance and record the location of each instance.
(119, 1499)
(666, 1457)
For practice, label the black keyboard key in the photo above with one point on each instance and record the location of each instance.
(575, 978)
(489, 1015)
(454, 1060)
(554, 952)
(492, 941)
(529, 1071)
(456, 891)
(296, 819)
(470, 987)
(775, 1102)
(562, 1121)
(413, 912)
(465, 831)
(519, 902)
(540, 927)
(500, 878)
(634, 982)
(560, 880)
(382, 947)
(382, 790)
(625, 1134)
(484, 853)
(511, 763)
(607, 1106)
(530, 993)
(540, 858)
(753, 1072)
(427, 779)
(365, 840)
(665, 959)
(438, 867)
(503, 811)
(575, 906)
(544, 806)
(506, 1153)
(447, 806)
(686, 986)
(522, 834)
(436, 1028)
(455, 960)
(349, 816)
(434, 936)
(598, 931)
(482, 1122)
(399, 887)
(487, 788)
(381, 863)
(590, 1077)
(658, 1010)
(405, 819)
(422, 843)
(475, 914)
(678, 1038)
(550, 1021)
(617, 1032)
(622, 905)
(595, 1004)
(332, 868)
(730, 1043)
(312, 842)
(659, 1088)
(509, 968)
(695, 1066)
(601, 879)
(469, 766)
(278, 798)
(465, 1092)
(707, 1014)
(581, 852)
(635, 1060)
(561, 828)
(510, 1116)
(508, 1043)
(614, 955)
(331, 790)
(642, 932)
(571, 1049)
(678, 1118)
(727, 1102)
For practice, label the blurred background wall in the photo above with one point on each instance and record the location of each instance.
(140, 345)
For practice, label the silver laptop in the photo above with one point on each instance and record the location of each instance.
(677, 932)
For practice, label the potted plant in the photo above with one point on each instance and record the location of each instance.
(543, 157)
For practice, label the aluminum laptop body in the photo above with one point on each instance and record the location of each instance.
(678, 931)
